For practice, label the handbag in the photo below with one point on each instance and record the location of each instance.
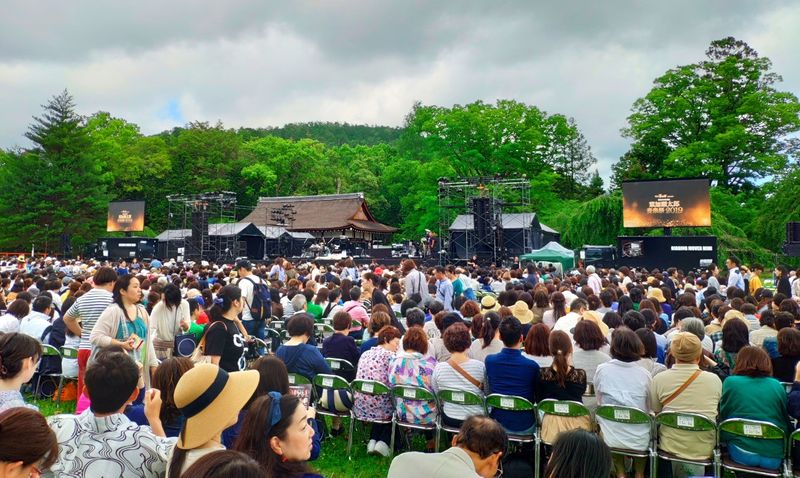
(184, 344)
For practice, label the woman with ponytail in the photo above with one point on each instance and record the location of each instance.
(561, 381)
(558, 310)
(277, 434)
(488, 342)
(225, 335)
(126, 324)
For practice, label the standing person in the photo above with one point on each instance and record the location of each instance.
(81, 317)
(594, 280)
(125, 324)
(444, 289)
(713, 272)
(686, 388)
(782, 281)
(225, 335)
(509, 373)
(277, 272)
(735, 278)
(755, 278)
(167, 316)
(622, 382)
(247, 284)
(415, 282)
(752, 377)
(19, 354)
(39, 449)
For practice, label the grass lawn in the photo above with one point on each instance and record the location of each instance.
(332, 463)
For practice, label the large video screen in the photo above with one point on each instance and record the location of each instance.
(667, 203)
(125, 216)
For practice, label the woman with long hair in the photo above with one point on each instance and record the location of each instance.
(537, 345)
(276, 434)
(27, 443)
(558, 310)
(165, 379)
(167, 316)
(579, 454)
(488, 341)
(561, 381)
(125, 324)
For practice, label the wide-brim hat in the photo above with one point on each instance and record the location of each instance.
(210, 398)
(521, 311)
(489, 304)
(594, 316)
(657, 294)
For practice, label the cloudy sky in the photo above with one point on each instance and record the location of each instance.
(258, 63)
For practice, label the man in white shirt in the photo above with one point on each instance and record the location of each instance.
(247, 282)
(735, 278)
(35, 323)
(594, 280)
(568, 322)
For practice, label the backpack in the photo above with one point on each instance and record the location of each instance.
(261, 308)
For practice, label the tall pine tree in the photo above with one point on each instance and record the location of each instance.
(54, 191)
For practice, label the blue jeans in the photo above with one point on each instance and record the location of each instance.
(256, 328)
(744, 457)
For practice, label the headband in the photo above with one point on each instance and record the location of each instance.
(274, 411)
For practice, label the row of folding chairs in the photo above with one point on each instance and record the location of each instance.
(689, 422)
(59, 354)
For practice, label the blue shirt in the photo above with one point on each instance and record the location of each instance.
(509, 373)
(303, 359)
(444, 293)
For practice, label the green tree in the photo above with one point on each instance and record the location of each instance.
(722, 118)
(55, 188)
(595, 187)
(204, 158)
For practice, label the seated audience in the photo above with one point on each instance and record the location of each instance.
(752, 393)
(476, 451)
(37, 323)
(735, 335)
(165, 379)
(488, 341)
(561, 381)
(537, 345)
(789, 349)
(276, 433)
(299, 356)
(375, 365)
(686, 388)
(89, 444)
(19, 354)
(579, 454)
(224, 464)
(209, 398)
(588, 354)
(459, 373)
(342, 346)
(25, 457)
(378, 321)
(411, 367)
(649, 360)
(509, 373)
(622, 382)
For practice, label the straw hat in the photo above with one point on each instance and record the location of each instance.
(521, 311)
(210, 399)
(489, 304)
(594, 316)
(657, 294)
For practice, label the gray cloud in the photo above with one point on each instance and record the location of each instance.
(253, 63)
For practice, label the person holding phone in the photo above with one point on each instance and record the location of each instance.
(125, 324)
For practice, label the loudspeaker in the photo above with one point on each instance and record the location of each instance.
(793, 232)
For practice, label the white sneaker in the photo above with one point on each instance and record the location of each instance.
(382, 448)
(371, 447)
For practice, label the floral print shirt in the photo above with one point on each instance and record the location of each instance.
(374, 365)
(416, 370)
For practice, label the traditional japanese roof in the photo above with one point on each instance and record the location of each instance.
(325, 212)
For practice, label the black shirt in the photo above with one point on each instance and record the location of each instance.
(228, 343)
(783, 368)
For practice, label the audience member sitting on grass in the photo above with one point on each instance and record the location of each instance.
(277, 434)
(226, 464)
(19, 355)
(579, 454)
(477, 450)
(25, 457)
(102, 441)
(209, 398)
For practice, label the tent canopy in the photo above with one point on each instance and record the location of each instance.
(551, 252)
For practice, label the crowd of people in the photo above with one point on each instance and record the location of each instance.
(711, 342)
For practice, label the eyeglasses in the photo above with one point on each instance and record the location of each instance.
(35, 472)
(499, 472)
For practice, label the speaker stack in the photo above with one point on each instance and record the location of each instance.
(792, 245)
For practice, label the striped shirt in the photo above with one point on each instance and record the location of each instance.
(88, 308)
(445, 377)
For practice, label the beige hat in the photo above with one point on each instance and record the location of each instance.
(193, 293)
(521, 311)
(686, 347)
(734, 314)
(657, 294)
(489, 304)
(210, 398)
(594, 316)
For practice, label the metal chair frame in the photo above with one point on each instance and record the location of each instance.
(400, 393)
(367, 387)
